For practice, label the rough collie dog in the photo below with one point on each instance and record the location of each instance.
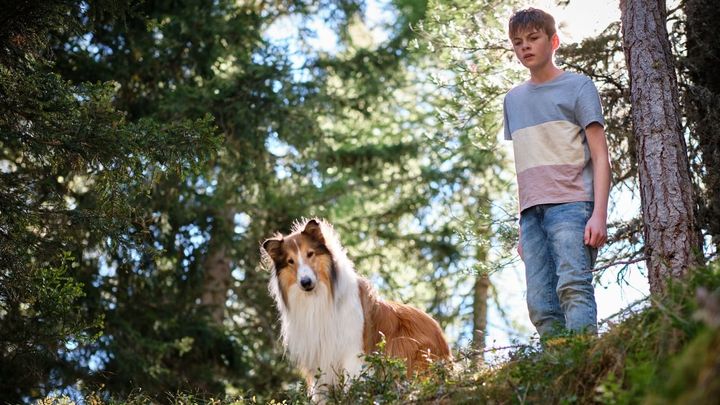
(331, 316)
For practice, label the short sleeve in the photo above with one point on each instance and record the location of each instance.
(506, 124)
(587, 106)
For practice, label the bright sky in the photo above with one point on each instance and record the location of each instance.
(581, 18)
(578, 20)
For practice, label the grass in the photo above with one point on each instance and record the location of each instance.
(669, 353)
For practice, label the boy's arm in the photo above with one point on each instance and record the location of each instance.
(596, 228)
(508, 137)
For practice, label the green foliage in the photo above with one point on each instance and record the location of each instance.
(351, 136)
(109, 153)
(39, 317)
(665, 353)
(73, 169)
(657, 355)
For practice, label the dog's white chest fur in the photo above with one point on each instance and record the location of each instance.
(321, 334)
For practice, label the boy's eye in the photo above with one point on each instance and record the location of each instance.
(310, 253)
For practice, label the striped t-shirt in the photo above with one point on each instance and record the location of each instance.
(546, 123)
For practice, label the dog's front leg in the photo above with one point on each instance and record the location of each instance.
(319, 395)
(319, 389)
(353, 365)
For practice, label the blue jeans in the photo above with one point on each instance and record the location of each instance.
(558, 268)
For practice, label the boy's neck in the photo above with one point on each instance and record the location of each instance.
(545, 74)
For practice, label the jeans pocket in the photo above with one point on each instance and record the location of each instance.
(592, 256)
(589, 207)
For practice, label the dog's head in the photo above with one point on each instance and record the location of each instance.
(301, 260)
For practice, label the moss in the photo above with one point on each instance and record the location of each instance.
(694, 374)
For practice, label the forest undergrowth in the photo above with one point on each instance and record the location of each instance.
(666, 353)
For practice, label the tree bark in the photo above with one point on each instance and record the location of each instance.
(217, 266)
(480, 310)
(668, 213)
(480, 297)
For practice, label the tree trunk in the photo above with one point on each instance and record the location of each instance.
(665, 187)
(480, 298)
(217, 266)
(703, 106)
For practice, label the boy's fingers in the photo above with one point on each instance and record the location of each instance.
(586, 239)
(600, 240)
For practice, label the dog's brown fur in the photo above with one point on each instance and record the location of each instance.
(409, 332)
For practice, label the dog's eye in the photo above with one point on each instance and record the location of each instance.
(311, 253)
(291, 261)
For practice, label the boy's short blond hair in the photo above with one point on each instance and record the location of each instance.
(531, 19)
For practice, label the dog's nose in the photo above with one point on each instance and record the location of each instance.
(306, 283)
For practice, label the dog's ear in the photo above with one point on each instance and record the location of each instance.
(312, 229)
(273, 247)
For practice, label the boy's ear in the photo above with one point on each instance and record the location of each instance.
(312, 229)
(555, 40)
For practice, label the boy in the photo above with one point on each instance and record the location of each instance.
(555, 122)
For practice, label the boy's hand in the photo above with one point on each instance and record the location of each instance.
(596, 231)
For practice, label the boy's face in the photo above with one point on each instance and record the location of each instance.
(534, 48)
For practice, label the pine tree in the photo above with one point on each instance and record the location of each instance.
(72, 168)
(671, 239)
